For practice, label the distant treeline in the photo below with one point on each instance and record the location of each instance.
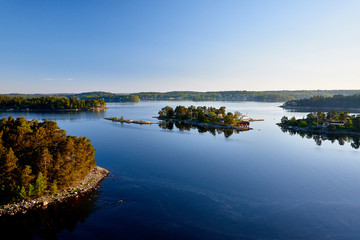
(336, 101)
(49, 103)
(261, 96)
(37, 158)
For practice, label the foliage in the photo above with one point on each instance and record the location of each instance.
(336, 101)
(261, 96)
(38, 157)
(200, 114)
(49, 103)
(333, 120)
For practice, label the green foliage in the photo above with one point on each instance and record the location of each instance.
(335, 120)
(21, 192)
(31, 190)
(40, 185)
(40, 157)
(49, 103)
(336, 101)
(200, 114)
(302, 123)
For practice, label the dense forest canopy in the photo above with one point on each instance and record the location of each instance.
(263, 96)
(336, 101)
(49, 103)
(37, 158)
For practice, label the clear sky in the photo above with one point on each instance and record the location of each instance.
(201, 45)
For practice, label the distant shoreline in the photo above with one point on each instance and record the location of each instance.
(320, 108)
(55, 110)
(89, 183)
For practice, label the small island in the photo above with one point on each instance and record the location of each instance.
(333, 122)
(208, 117)
(122, 120)
(40, 165)
(50, 103)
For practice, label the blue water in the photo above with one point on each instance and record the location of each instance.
(172, 184)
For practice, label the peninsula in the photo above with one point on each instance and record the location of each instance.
(338, 102)
(40, 164)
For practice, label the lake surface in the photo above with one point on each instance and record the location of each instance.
(172, 184)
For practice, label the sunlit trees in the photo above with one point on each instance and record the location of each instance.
(39, 158)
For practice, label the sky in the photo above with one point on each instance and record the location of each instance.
(196, 45)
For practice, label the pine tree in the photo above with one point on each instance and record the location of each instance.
(40, 185)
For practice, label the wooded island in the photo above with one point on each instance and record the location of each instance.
(205, 116)
(39, 158)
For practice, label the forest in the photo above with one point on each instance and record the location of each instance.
(200, 114)
(50, 103)
(336, 101)
(260, 96)
(39, 158)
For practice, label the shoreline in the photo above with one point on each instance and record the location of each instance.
(55, 110)
(307, 108)
(89, 183)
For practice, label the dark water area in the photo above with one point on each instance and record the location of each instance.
(186, 184)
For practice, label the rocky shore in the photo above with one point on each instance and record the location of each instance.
(90, 182)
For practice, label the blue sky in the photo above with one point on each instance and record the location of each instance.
(132, 46)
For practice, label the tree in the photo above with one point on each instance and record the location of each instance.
(284, 119)
(40, 185)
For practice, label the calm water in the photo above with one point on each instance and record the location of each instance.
(172, 184)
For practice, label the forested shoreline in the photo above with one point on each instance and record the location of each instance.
(50, 103)
(336, 101)
(260, 96)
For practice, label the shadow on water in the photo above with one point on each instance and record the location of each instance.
(320, 138)
(47, 223)
(168, 125)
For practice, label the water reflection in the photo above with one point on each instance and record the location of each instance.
(169, 125)
(46, 223)
(64, 116)
(320, 138)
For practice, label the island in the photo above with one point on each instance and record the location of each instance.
(40, 165)
(208, 117)
(122, 120)
(50, 103)
(332, 122)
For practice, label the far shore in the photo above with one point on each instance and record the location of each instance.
(89, 183)
(309, 108)
(55, 110)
